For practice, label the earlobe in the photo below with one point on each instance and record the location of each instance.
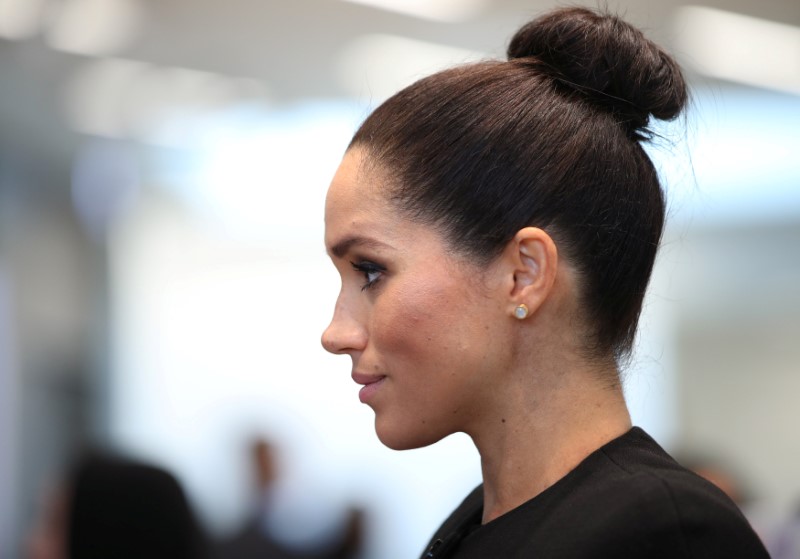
(535, 260)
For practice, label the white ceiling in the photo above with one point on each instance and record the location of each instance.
(285, 50)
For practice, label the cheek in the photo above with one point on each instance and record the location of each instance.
(416, 319)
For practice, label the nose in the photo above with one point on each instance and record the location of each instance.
(345, 334)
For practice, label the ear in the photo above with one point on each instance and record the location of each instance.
(534, 257)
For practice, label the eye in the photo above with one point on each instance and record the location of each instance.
(372, 272)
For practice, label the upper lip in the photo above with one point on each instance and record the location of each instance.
(363, 378)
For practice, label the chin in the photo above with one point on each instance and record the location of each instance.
(406, 437)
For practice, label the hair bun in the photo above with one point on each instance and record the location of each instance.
(609, 61)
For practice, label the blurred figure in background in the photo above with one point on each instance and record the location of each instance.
(111, 507)
(720, 472)
(260, 539)
(786, 543)
(779, 533)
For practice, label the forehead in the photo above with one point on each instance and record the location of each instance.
(355, 197)
(356, 177)
(358, 215)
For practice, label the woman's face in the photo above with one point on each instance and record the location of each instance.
(423, 327)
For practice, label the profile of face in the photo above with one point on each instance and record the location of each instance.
(426, 329)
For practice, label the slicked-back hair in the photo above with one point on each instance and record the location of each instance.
(550, 138)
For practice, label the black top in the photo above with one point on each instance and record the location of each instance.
(627, 499)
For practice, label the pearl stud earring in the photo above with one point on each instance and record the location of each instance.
(521, 312)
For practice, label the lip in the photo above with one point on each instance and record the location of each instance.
(372, 384)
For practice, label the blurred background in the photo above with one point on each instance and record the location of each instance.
(163, 280)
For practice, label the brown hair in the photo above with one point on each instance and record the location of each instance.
(551, 138)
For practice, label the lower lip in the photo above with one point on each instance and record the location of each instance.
(369, 390)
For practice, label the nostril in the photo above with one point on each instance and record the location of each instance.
(346, 331)
(343, 337)
(333, 341)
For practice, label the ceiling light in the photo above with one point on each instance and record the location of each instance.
(95, 27)
(94, 99)
(19, 19)
(448, 11)
(122, 98)
(377, 66)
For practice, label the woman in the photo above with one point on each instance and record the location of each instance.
(495, 227)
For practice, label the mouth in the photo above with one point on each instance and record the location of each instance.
(371, 385)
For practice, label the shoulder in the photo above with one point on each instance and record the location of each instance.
(629, 499)
(645, 501)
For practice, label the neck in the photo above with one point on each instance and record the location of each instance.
(540, 435)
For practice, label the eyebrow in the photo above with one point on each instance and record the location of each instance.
(348, 243)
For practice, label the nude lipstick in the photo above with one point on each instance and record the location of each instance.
(372, 383)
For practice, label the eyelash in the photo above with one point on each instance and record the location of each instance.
(367, 268)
